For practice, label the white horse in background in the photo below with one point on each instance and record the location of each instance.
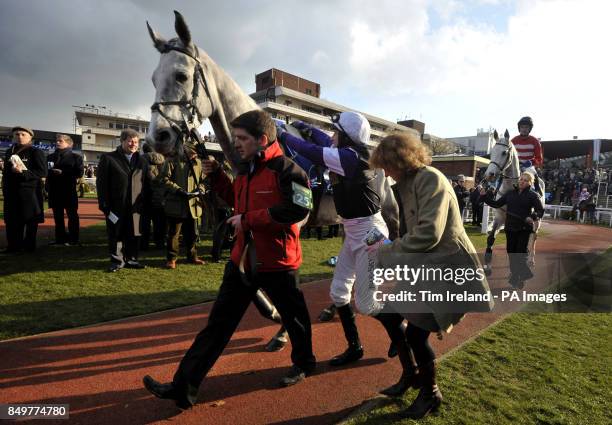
(504, 172)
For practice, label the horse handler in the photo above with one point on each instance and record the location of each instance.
(524, 209)
(270, 196)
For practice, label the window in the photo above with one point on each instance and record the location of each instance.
(308, 91)
(110, 125)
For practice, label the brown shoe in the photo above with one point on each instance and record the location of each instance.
(197, 261)
(171, 264)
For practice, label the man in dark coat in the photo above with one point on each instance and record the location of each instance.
(461, 193)
(65, 169)
(24, 169)
(120, 181)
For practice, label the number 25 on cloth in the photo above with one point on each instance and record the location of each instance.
(302, 196)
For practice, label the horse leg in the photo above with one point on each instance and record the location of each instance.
(489, 251)
(531, 249)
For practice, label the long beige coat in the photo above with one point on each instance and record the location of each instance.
(433, 226)
(176, 175)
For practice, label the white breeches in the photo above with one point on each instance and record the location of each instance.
(352, 266)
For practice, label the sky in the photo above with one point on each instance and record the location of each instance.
(456, 65)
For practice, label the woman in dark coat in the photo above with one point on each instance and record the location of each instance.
(524, 207)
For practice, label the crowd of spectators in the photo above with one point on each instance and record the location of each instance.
(564, 186)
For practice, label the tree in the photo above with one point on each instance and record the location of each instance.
(438, 145)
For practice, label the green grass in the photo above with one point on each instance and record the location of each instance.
(527, 369)
(63, 287)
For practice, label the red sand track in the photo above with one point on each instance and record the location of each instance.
(98, 369)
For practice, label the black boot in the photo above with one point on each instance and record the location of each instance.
(392, 352)
(328, 313)
(410, 378)
(429, 398)
(354, 351)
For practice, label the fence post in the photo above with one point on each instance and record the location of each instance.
(484, 226)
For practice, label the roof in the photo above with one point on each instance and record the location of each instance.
(555, 149)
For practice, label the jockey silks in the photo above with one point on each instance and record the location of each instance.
(528, 148)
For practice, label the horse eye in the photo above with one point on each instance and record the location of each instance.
(504, 153)
(181, 77)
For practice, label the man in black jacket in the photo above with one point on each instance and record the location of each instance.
(461, 193)
(24, 169)
(120, 181)
(524, 207)
(65, 169)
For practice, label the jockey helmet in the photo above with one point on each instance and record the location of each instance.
(354, 125)
(525, 121)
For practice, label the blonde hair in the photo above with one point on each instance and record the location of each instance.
(527, 176)
(400, 151)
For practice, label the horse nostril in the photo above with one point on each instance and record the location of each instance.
(162, 136)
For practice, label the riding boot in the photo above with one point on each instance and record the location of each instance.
(354, 351)
(410, 377)
(327, 314)
(429, 398)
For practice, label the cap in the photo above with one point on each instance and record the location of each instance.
(20, 127)
(355, 125)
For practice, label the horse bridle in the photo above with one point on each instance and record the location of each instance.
(501, 168)
(186, 127)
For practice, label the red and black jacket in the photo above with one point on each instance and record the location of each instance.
(264, 197)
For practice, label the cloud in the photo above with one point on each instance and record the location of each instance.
(445, 62)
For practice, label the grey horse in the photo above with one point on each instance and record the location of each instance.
(191, 87)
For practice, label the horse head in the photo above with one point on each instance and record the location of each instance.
(182, 98)
(503, 155)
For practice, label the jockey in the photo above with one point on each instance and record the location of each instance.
(529, 149)
(358, 203)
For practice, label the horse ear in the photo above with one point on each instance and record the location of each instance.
(507, 134)
(158, 42)
(495, 135)
(182, 29)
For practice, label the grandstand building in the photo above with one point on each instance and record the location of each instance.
(100, 129)
(290, 98)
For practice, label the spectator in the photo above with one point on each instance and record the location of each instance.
(65, 170)
(121, 177)
(24, 169)
(183, 179)
(461, 193)
(153, 196)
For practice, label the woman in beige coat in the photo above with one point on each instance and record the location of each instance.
(432, 234)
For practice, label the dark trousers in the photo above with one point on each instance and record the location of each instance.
(227, 311)
(122, 244)
(516, 247)
(73, 221)
(477, 213)
(15, 229)
(160, 228)
(188, 225)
